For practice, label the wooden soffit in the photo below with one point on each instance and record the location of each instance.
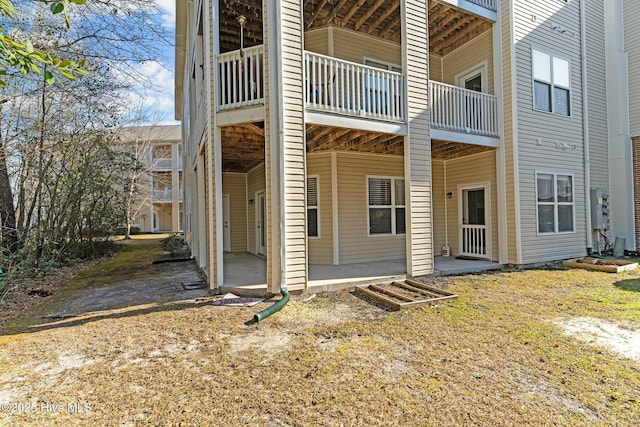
(322, 138)
(449, 26)
(242, 146)
(446, 150)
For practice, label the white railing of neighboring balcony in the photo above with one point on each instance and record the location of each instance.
(344, 87)
(462, 110)
(487, 4)
(240, 78)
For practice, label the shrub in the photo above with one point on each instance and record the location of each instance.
(175, 245)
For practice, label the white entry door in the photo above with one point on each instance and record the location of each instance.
(226, 235)
(474, 208)
(261, 221)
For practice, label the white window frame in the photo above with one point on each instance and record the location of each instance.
(392, 206)
(552, 84)
(390, 65)
(481, 70)
(316, 206)
(555, 203)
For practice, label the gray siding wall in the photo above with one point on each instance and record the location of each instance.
(632, 46)
(540, 132)
(597, 93)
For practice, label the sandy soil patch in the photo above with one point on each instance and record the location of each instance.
(605, 334)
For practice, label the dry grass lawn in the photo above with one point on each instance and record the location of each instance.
(496, 356)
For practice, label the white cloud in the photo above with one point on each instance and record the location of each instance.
(169, 8)
(158, 100)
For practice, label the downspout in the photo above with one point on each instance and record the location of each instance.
(585, 125)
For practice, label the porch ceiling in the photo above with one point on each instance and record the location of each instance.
(449, 27)
(242, 146)
(321, 138)
(446, 150)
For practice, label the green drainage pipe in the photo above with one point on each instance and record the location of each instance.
(275, 307)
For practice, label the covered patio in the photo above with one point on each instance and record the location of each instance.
(246, 273)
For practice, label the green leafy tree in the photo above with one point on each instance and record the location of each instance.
(23, 57)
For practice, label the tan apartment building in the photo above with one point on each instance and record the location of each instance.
(158, 205)
(327, 138)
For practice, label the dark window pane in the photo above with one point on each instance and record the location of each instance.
(565, 218)
(312, 222)
(545, 219)
(400, 221)
(561, 101)
(379, 191)
(542, 96)
(380, 221)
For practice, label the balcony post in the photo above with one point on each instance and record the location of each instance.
(175, 186)
(417, 142)
(285, 152)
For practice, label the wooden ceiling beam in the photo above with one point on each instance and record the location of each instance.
(316, 13)
(394, 7)
(352, 11)
(339, 132)
(368, 14)
(335, 10)
(390, 26)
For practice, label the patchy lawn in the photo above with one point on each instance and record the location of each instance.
(501, 354)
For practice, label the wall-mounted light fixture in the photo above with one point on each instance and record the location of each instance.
(251, 201)
(241, 20)
(449, 195)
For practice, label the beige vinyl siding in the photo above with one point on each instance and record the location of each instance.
(293, 141)
(509, 140)
(542, 154)
(469, 56)
(439, 200)
(597, 92)
(235, 185)
(417, 151)
(632, 46)
(317, 41)
(353, 46)
(255, 184)
(435, 68)
(479, 168)
(355, 244)
(321, 249)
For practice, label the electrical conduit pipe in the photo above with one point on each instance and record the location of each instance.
(275, 307)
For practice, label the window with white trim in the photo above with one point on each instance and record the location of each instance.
(551, 83)
(386, 206)
(555, 203)
(313, 223)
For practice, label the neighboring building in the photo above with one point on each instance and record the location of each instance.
(158, 203)
(349, 132)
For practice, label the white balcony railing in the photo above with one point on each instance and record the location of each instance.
(240, 78)
(462, 110)
(344, 87)
(165, 195)
(161, 163)
(474, 240)
(487, 4)
(165, 164)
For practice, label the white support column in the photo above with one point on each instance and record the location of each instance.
(620, 155)
(175, 189)
(285, 145)
(417, 143)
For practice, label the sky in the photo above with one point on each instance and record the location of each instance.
(160, 99)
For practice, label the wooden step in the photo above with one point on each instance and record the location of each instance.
(404, 294)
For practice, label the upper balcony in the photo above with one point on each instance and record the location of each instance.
(352, 65)
(164, 164)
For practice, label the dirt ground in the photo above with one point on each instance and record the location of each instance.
(517, 348)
